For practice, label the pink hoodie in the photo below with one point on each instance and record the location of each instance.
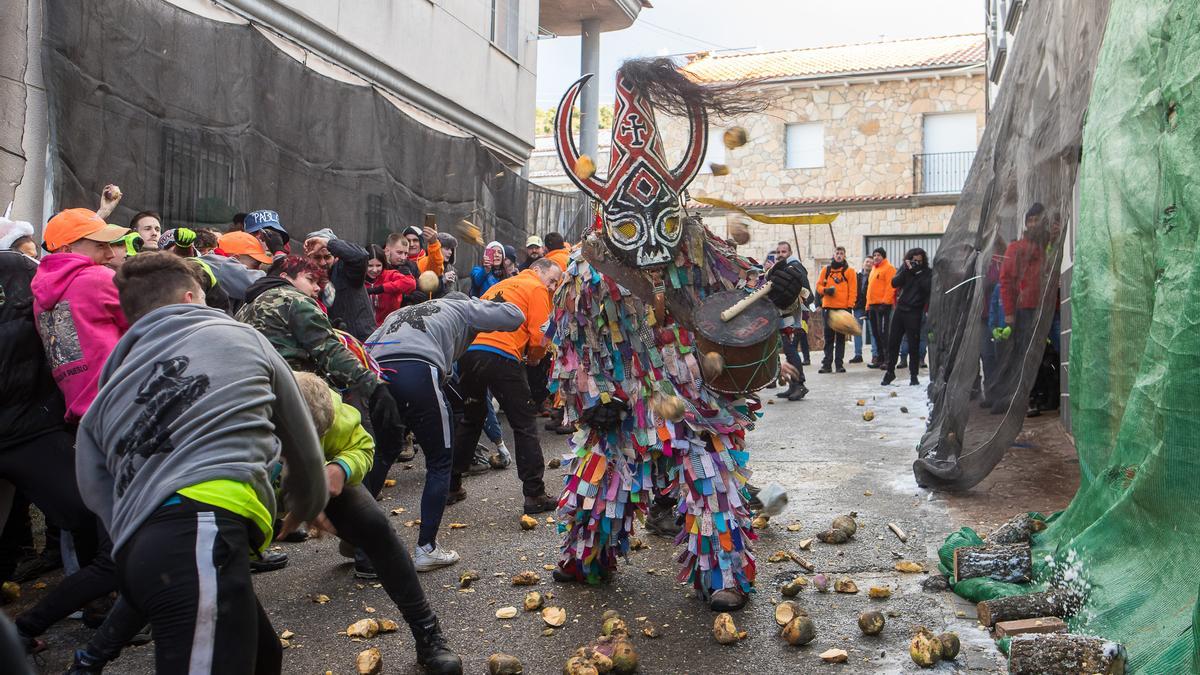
(80, 320)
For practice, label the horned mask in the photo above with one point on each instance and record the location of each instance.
(641, 193)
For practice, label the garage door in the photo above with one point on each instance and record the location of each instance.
(897, 245)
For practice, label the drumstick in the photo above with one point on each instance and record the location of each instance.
(741, 305)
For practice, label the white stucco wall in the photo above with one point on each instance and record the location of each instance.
(445, 46)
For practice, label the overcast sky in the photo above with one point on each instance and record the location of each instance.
(685, 26)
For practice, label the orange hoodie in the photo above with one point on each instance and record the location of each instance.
(561, 257)
(527, 292)
(432, 259)
(879, 285)
(845, 288)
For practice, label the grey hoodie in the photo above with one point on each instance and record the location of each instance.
(189, 395)
(232, 276)
(438, 331)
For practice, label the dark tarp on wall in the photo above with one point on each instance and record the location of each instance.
(13, 60)
(199, 119)
(993, 312)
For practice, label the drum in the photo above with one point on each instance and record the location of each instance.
(748, 343)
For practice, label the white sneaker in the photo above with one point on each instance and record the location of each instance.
(428, 557)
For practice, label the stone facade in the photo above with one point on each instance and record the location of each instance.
(872, 130)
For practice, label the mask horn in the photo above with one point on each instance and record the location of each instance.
(564, 141)
(697, 148)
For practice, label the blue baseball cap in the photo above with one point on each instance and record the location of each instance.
(257, 220)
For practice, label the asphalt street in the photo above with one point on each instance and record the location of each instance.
(829, 458)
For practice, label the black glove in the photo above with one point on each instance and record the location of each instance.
(606, 416)
(385, 415)
(830, 290)
(786, 283)
(374, 290)
(273, 240)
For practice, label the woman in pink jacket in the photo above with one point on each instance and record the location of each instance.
(75, 302)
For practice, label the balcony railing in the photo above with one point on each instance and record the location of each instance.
(941, 172)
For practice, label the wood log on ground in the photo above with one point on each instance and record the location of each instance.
(1017, 530)
(1042, 624)
(1031, 606)
(1003, 562)
(1052, 654)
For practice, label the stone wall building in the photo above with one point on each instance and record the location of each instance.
(882, 134)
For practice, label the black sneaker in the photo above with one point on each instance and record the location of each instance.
(857, 359)
(363, 569)
(86, 664)
(914, 381)
(873, 364)
(801, 390)
(806, 362)
(825, 370)
(268, 561)
(540, 504)
(888, 377)
(841, 369)
(35, 566)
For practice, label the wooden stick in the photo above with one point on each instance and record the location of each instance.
(898, 532)
(741, 305)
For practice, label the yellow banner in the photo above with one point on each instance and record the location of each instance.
(802, 219)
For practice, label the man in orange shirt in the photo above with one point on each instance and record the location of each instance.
(838, 288)
(880, 299)
(493, 363)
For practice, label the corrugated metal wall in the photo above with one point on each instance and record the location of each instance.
(897, 245)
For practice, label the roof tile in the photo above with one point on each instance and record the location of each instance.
(816, 62)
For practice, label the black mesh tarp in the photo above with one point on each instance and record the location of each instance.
(13, 61)
(996, 276)
(199, 119)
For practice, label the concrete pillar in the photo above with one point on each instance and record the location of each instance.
(589, 97)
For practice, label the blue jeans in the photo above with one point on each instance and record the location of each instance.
(416, 386)
(860, 314)
(491, 424)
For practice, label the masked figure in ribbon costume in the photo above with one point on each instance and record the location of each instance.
(628, 368)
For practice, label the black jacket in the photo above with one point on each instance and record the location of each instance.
(914, 286)
(346, 296)
(30, 402)
(860, 302)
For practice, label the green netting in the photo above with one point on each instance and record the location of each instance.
(1135, 352)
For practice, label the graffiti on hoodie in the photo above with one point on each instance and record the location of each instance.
(60, 339)
(165, 396)
(413, 315)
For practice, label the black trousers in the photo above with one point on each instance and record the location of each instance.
(482, 371)
(539, 382)
(835, 345)
(187, 571)
(360, 521)
(906, 323)
(880, 317)
(43, 469)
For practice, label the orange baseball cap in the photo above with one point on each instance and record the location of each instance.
(243, 243)
(71, 225)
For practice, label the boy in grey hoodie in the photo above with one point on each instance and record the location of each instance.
(417, 346)
(174, 454)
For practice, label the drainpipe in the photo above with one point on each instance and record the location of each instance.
(589, 97)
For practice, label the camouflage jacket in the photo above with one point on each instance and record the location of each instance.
(295, 325)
